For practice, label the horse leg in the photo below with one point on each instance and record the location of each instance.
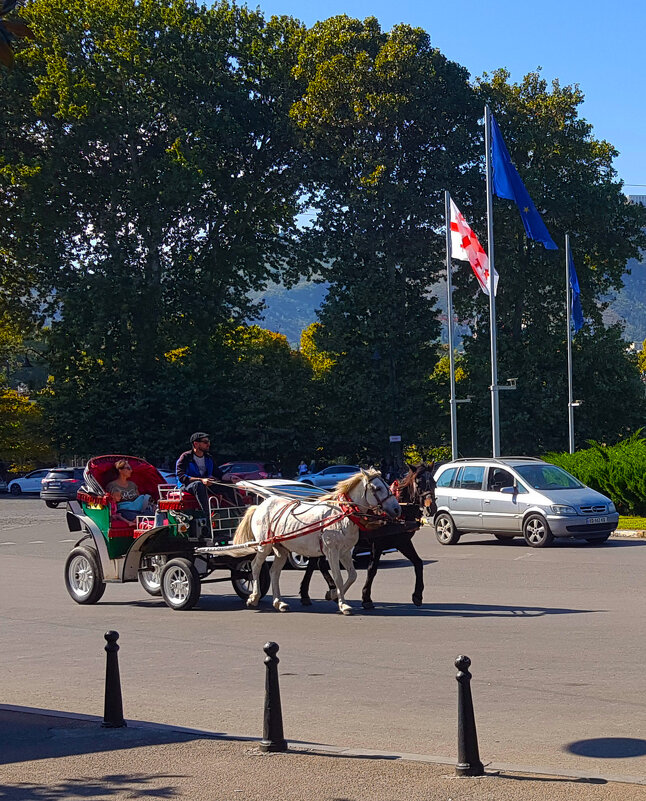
(332, 593)
(305, 583)
(408, 550)
(279, 562)
(256, 566)
(373, 567)
(332, 555)
(347, 561)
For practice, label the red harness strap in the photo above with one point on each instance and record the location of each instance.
(364, 520)
(311, 528)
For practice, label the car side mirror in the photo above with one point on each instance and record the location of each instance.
(509, 490)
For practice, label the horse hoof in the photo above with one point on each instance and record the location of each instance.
(417, 600)
(346, 610)
(306, 601)
(281, 606)
(252, 602)
(330, 595)
(367, 605)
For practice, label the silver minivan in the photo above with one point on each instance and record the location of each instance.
(518, 496)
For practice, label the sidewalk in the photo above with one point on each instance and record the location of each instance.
(47, 756)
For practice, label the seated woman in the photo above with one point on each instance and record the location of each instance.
(131, 503)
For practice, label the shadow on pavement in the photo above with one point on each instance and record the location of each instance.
(608, 747)
(133, 785)
(26, 736)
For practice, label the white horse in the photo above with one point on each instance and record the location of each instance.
(318, 528)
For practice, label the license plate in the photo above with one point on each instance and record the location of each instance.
(597, 520)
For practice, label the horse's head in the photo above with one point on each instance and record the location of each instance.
(377, 494)
(424, 485)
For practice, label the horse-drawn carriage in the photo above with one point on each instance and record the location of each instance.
(175, 550)
(171, 552)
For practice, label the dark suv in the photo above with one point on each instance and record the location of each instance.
(235, 471)
(60, 485)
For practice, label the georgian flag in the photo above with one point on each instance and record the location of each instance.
(465, 246)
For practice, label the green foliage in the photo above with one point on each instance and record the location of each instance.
(570, 176)
(415, 454)
(23, 444)
(618, 471)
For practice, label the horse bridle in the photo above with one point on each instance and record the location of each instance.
(373, 489)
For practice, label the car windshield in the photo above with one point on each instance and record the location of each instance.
(547, 477)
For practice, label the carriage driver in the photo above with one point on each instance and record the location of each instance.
(197, 472)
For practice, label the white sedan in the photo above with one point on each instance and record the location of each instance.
(330, 476)
(30, 483)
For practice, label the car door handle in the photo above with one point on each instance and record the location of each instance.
(487, 501)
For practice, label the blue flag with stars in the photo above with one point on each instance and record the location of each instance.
(577, 311)
(507, 183)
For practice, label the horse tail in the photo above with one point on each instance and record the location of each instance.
(243, 532)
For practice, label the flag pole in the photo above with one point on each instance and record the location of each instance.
(568, 317)
(495, 417)
(449, 293)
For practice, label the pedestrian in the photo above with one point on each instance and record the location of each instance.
(313, 466)
(302, 468)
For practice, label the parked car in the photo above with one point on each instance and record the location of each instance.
(235, 471)
(169, 478)
(29, 483)
(60, 485)
(330, 476)
(518, 496)
(3, 485)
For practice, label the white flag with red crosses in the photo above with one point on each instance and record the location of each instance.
(465, 246)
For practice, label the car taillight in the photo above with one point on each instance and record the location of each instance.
(70, 481)
(262, 474)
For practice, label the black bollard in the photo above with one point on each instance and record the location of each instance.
(272, 730)
(113, 707)
(469, 763)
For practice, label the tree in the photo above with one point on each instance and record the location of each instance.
(389, 123)
(569, 175)
(152, 181)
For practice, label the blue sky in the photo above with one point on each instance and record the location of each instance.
(598, 45)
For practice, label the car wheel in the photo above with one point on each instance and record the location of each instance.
(445, 530)
(297, 561)
(180, 584)
(537, 532)
(597, 540)
(242, 581)
(52, 504)
(83, 576)
(15, 489)
(503, 538)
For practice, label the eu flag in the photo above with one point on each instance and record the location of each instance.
(577, 311)
(508, 184)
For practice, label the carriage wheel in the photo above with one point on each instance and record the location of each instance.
(83, 575)
(180, 584)
(150, 580)
(242, 581)
(445, 530)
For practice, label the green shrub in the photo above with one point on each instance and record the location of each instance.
(618, 471)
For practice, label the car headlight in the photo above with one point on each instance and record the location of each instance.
(611, 508)
(561, 509)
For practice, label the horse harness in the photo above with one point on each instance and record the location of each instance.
(366, 519)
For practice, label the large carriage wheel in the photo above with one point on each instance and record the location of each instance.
(242, 581)
(150, 580)
(180, 584)
(83, 575)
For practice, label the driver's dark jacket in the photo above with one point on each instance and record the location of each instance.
(187, 470)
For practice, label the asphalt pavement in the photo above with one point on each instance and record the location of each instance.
(556, 638)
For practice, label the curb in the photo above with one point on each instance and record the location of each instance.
(298, 746)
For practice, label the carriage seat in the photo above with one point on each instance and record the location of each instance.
(178, 499)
